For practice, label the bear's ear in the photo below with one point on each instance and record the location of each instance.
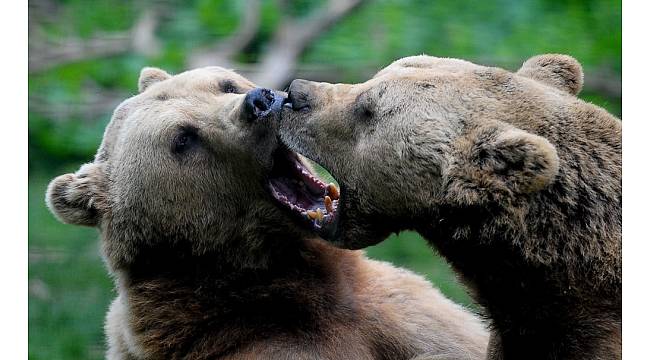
(496, 162)
(78, 198)
(560, 71)
(149, 76)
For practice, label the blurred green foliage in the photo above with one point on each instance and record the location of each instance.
(69, 287)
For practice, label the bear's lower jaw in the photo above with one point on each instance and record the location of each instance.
(296, 188)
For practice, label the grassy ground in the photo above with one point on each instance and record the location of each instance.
(69, 289)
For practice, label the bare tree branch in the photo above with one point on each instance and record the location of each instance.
(225, 50)
(97, 102)
(292, 38)
(143, 34)
(45, 54)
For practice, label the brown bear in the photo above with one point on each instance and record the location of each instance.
(206, 262)
(510, 176)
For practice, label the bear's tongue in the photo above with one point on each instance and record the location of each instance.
(294, 186)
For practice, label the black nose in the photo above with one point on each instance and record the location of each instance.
(259, 102)
(298, 95)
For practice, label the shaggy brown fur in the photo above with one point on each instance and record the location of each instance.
(511, 177)
(208, 267)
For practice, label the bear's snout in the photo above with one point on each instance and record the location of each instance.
(298, 97)
(259, 102)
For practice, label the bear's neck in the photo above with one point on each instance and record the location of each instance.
(228, 266)
(180, 300)
(536, 301)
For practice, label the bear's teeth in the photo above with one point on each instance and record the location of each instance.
(313, 215)
(333, 191)
(328, 204)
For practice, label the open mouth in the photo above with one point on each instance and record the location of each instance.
(296, 187)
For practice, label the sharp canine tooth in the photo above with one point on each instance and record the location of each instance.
(333, 191)
(313, 215)
(328, 204)
(319, 213)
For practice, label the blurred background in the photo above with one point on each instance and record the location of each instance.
(85, 57)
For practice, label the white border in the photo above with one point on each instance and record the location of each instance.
(13, 147)
(636, 148)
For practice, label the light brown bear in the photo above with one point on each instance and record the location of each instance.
(206, 261)
(513, 179)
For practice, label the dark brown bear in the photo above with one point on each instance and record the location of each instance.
(513, 179)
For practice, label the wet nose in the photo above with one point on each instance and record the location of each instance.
(299, 95)
(259, 102)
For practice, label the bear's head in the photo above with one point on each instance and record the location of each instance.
(426, 133)
(183, 167)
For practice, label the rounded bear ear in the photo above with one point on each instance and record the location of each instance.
(496, 162)
(149, 76)
(560, 71)
(77, 198)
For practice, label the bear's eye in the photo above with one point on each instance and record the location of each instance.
(228, 87)
(184, 140)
